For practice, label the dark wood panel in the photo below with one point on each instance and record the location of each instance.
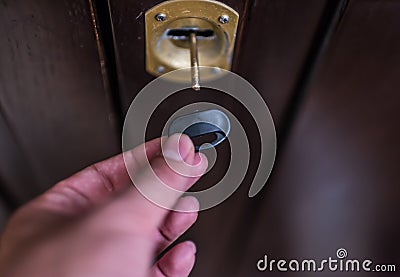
(275, 47)
(4, 213)
(51, 90)
(337, 183)
(17, 180)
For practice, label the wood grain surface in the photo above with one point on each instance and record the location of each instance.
(328, 69)
(336, 184)
(52, 96)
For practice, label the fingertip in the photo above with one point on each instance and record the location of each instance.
(186, 145)
(179, 261)
(200, 162)
(188, 204)
(191, 247)
(178, 147)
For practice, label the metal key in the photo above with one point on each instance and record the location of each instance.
(200, 124)
(194, 62)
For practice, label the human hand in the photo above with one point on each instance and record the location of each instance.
(96, 223)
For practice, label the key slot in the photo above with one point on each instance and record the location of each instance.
(210, 126)
(184, 33)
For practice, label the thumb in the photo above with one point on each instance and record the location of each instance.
(159, 185)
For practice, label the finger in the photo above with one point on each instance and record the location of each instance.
(152, 182)
(98, 182)
(177, 262)
(177, 223)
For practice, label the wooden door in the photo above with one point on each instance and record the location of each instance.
(328, 70)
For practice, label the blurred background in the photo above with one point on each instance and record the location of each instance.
(329, 71)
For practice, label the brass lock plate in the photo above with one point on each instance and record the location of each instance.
(169, 24)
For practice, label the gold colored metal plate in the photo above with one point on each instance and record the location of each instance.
(215, 23)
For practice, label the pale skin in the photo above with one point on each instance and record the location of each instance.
(96, 223)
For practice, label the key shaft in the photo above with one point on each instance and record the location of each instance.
(194, 62)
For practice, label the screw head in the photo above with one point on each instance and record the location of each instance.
(223, 19)
(161, 17)
(160, 69)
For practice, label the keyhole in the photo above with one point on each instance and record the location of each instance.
(182, 35)
(207, 138)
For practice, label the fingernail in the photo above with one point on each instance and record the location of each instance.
(189, 204)
(192, 246)
(177, 147)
